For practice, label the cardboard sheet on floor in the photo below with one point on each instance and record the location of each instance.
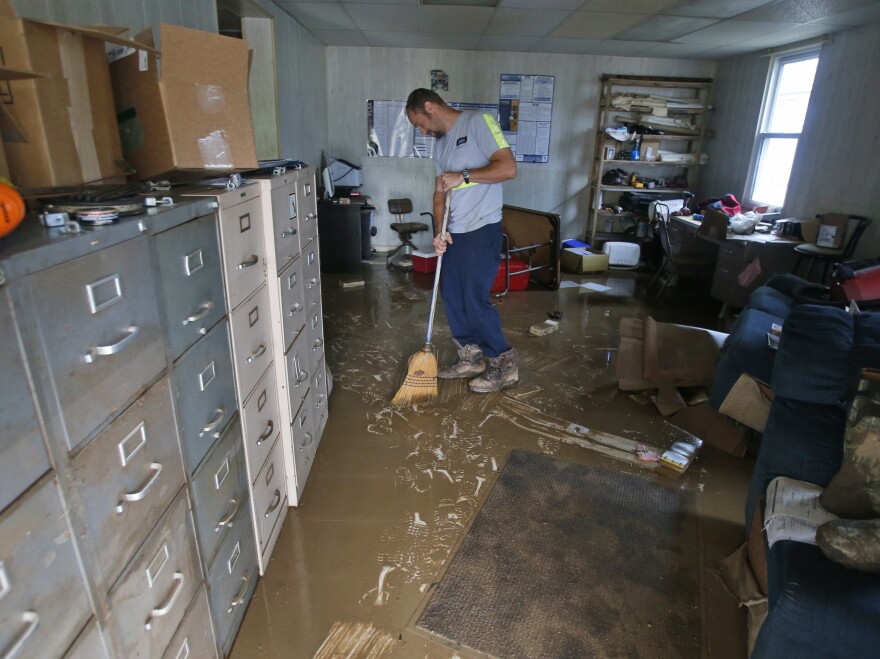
(713, 428)
(748, 402)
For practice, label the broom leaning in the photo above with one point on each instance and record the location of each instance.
(420, 384)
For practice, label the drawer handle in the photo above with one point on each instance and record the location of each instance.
(266, 433)
(307, 442)
(320, 401)
(238, 600)
(32, 620)
(163, 610)
(302, 377)
(252, 261)
(257, 354)
(313, 282)
(296, 307)
(205, 308)
(219, 415)
(276, 501)
(317, 344)
(130, 497)
(311, 216)
(132, 332)
(289, 234)
(227, 521)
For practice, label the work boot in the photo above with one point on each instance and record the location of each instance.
(500, 374)
(470, 363)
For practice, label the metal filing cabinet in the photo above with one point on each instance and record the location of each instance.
(120, 350)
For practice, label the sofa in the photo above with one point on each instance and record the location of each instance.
(816, 607)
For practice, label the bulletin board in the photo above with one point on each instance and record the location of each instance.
(389, 133)
(525, 109)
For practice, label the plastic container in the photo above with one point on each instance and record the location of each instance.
(518, 282)
(425, 262)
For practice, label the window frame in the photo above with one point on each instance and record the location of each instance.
(762, 135)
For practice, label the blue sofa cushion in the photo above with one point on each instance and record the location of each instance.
(812, 363)
(817, 608)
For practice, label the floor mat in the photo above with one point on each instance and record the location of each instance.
(565, 560)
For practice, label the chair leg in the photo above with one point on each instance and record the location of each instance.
(825, 264)
(667, 280)
(659, 271)
(809, 269)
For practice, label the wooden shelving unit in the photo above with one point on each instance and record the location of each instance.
(694, 90)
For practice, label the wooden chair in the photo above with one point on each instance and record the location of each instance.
(855, 227)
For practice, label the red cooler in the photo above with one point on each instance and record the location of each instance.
(518, 282)
(425, 262)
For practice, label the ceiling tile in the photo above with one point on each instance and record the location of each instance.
(532, 22)
(569, 5)
(385, 18)
(283, 3)
(664, 28)
(723, 52)
(382, 2)
(676, 50)
(799, 11)
(420, 40)
(465, 20)
(595, 25)
(320, 15)
(622, 48)
(731, 31)
(566, 46)
(784, 37)
(855, 17)
(518, 44)
(626, 6)
(714, 8)
(341, 37)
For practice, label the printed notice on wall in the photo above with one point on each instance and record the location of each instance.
(525, 109)
(389, 132)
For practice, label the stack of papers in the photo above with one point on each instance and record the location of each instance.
(793, 511)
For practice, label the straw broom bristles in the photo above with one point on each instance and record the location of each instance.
(420, 384)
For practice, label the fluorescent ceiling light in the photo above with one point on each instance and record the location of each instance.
(463, 3)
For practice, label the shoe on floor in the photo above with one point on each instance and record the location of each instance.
(500, 374)
(470, 363)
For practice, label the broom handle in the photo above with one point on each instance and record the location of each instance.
(437, 272)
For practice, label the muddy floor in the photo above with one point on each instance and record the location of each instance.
(391, 491)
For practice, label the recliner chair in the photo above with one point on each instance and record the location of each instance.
(399, 208)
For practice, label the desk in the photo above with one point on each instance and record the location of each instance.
(735, 253)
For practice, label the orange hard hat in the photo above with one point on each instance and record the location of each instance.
(11, 209)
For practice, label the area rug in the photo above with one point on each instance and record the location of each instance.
(566, 560)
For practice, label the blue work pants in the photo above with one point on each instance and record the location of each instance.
(470, 265)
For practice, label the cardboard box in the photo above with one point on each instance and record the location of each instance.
(57, 129)
(581, 260)
(650, 149)
(714, 225)
(191, 116)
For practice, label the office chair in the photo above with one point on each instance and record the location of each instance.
(855, 227)
(674, 259)
(399, 208)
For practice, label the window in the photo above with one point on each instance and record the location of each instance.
(782, 119)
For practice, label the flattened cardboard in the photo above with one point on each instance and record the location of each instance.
(61, 120)
(191, 116)
(713, 428)
(748, 402)
(678, 353)
(714, 225)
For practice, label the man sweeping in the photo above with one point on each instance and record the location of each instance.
(473, 159)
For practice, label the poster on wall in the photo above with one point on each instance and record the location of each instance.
(525, 108)
(389, 133)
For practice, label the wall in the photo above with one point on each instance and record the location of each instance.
(302, 92)
(836, 168)
(356, 75)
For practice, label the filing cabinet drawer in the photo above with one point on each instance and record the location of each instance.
(308, 208)
(23, 456)
(89, 645)
(320, 413)
(151, 596)
(733, 253)
(244, 262)
(269, 498)
(312, 273)
(126, 478)
(205, 393)
(232, 578)
(319, 382)
(284, 222)
(219, 491)
(293, 306)
(195, 638)
(190, 274)
(261, 422)
(251, 341)
(99, 323)
(298, 374)
(315, 330)
(304, 441)
(43, 602)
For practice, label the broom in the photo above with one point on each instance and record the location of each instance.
(420, 384)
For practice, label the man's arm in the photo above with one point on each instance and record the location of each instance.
(501, 167)
(439, 208)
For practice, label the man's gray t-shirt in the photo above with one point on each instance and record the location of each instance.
(469, 144)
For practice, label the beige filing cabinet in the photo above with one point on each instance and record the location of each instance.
(121, 479)
(250, 298)
(293, 267)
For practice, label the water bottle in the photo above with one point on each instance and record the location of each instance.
(636, 151)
